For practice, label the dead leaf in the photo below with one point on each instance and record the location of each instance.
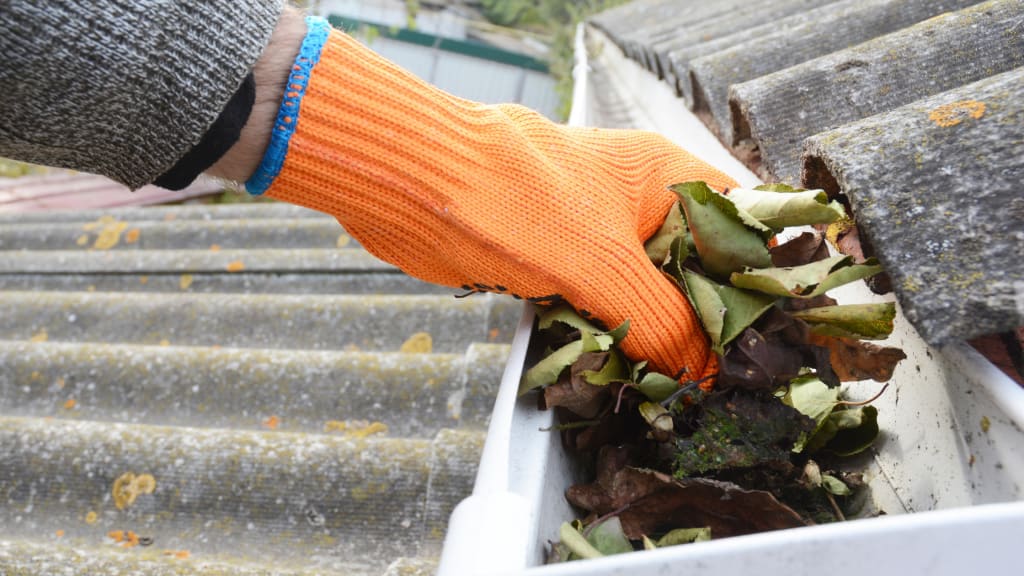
(807, 247)
(574, 393)
(654, 503)
(854, 360)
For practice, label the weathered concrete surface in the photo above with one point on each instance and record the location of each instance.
(706, 71)
(170, 213)
(742, 16)
(221, 234)
(410, 394)
(259, 495)
(276, 381)
(779, 110)
(935, 187)
(310, 322)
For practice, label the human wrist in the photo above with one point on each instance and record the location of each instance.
(271, 76)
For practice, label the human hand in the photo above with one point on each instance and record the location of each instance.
(491, 198)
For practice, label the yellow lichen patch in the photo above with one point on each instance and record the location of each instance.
(185, 281)
(165, 342)
(143, 279)
(214, 247)
(90, 288)
(272, 422)
(344, 240)
(132, 236)
(356, 428)
(110, 230)
(91, 518)
(985, 424)
(837, 229)
(418, 343)
(236, 266)
(369, 490)
(35, 375)
(128, 487)
(70, 404)
(40, 336)
(956, 112)
(82, 240)
(59, 533)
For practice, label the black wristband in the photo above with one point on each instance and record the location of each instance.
(221, 136)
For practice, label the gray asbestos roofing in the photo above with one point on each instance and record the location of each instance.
(270, 380)
(912, 111)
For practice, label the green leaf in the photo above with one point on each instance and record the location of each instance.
(807, 281)
(614, 370)
(566, 315)
(575, 542)
(708, 305)
(812, 398)
(777, 187)
(860, 321)
(619, 332)
(546, 372)
(685, 536)
(778, 209)
(727, 239)
(724, 311)
(856, 430)
(658, 246)
(657, 386)
(679, 251)
(608, 537)
(834, 485)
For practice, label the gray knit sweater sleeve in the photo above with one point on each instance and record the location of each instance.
(122, 88)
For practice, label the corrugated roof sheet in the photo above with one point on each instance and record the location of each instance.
(298, 406)
(910, 110)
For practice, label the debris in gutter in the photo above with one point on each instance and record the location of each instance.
(761, 446)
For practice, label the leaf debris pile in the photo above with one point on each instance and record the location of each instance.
(757, 449)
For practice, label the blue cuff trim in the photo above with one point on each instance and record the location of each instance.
(288, 115)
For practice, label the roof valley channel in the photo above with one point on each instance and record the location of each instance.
(231, 390)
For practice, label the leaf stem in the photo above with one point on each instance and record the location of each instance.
(835, 506)
(864, 402)
(687, 388)
(602, 519)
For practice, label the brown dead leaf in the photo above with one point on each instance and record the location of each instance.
(805, 248)
(854, 360)
(574, 393)
(653, 503)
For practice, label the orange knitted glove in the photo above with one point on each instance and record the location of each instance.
(487, 198)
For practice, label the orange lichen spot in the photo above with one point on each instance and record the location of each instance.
(185, 281)
(82, 240)
(70, 404)
(169, 217)
(40, 336)
(143, 279)
(493, 334)
(214, 247)
(125, 538)
(236, 266)
(956, 112)
(179, 554)
(116, 535)
(272, 422)
(59, 383)
(91, 517)
(59, 533)
(132, 236)
(128, 486)
(418, 343)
